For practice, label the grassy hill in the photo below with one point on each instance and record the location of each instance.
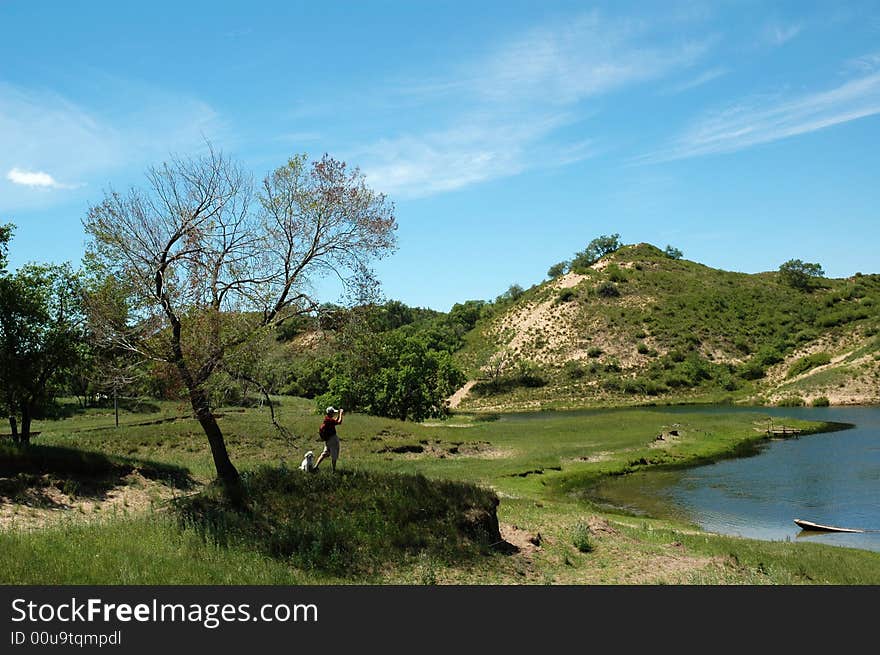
(641, 327)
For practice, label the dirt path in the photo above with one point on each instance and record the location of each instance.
(456, 398)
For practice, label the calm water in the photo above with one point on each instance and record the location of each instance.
(831, 478)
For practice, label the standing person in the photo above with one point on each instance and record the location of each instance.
(331, 439)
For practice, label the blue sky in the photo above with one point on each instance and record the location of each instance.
(507, 134)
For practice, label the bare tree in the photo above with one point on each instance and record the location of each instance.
(198, 264)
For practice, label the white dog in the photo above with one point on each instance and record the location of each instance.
(308, 462)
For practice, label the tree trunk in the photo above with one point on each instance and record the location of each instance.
(13, 426)
(24, 438)
(226, 472)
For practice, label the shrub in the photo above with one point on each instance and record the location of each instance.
(615, 274)
(566, 295)
(677, 381)
(653, 388)
(673, 253)
(557, 270)
(582, 538)
(751, 370)
(612, 366)
(597, 248)
(768, 356)
(608, 290)
(677, 356)
(821, 401)
(643, 349)
(808, 362)
(842, 317)
(791, 401)
(742, 346)
(594, 352)
(574, 370)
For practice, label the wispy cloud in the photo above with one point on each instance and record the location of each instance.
(758, 121)
(777, 35)
(52, 142)
(511, 104)
(867, 63)
(38, 179)
(588, 56)
(413, 166)
(699, 80)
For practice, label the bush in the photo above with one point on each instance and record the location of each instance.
(791, 401)
(742, 346)
(768, 356)
(597, 248)
(612, 366)
(842, 317)
(582, 538)
(608, 290)
(751, 370)
(594, 352)
(615, 274)
(557, 270)
(808, 362)
(821, 401)
(566, 295)
(574, 370)
(673, 253)
(677, 381)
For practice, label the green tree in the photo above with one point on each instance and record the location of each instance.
(393, 374)
(210, 265)
(557, 270)
(673, 253)
(595, 250)
(5, 236)
(800, 274)
(467, 313)
(41, 336)
(514, 292)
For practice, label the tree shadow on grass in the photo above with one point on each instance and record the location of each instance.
(29, 475)
(349, 523)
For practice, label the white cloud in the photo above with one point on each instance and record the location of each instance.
(699, 80)
(509, 107)
(34, 179)
(760, 121)
(585, 57)
(865, 64)
(417, 166)
(130, 126)
(777, 35)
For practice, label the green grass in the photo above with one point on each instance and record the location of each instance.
(391, 514)
(353, 523)
(150, 550)
(701, 332)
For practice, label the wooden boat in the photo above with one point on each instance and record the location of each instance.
(816, 527)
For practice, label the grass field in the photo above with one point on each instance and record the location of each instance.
(61, 527)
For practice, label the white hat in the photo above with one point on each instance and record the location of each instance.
(331, 410)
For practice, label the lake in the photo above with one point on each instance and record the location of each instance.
(831, 478)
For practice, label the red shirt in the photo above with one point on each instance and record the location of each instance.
(329, 427)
